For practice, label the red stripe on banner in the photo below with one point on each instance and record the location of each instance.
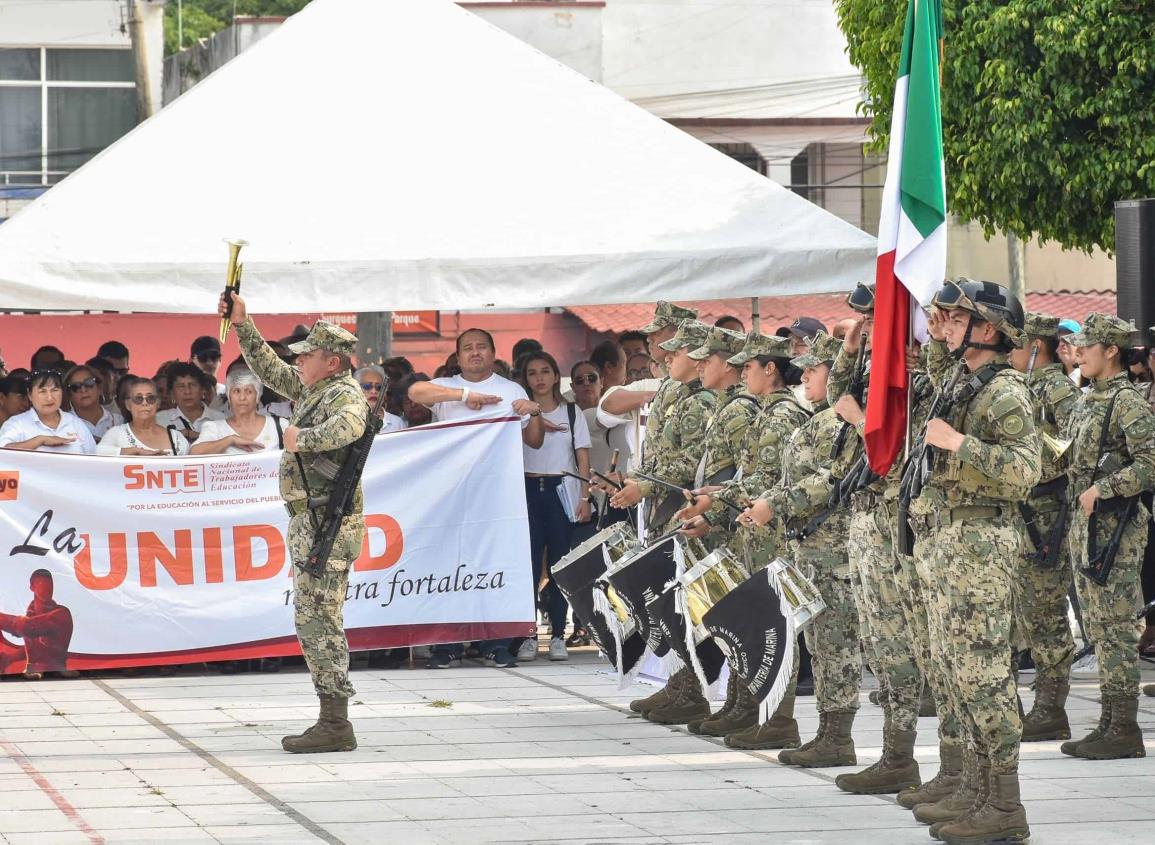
(360, 639)
(886, 403)
(62, 804)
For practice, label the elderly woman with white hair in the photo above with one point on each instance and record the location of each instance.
(247, 430)
(372, 379)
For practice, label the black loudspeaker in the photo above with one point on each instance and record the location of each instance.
(1135, 262)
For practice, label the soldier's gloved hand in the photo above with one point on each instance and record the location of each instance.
(699, 506)
(628, 496)
(290, 437)
(757, 515)
(697, 527)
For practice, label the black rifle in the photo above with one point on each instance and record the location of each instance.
(339, 503)
(842, 489)
(1100, 561)
(856, 387)
(920, 460)
(1047, 549)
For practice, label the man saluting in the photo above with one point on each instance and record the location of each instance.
(329, 414)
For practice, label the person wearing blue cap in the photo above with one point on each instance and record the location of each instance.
(1067, 328)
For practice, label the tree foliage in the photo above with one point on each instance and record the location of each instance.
(1048, 107)
(202, 18)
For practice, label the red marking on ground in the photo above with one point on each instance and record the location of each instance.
(70, 812)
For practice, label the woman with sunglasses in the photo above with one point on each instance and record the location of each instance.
(83, 397)
(46, 427)
(372, 380)
(143, 435)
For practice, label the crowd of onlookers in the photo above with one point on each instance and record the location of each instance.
(574, 421)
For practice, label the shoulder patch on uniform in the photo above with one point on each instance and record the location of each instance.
(1013, 424)
(1007, 402)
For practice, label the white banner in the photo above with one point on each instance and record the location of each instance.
(169, 560)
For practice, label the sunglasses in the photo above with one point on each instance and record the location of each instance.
(150, 399)
(590, 378)
(370, 385)
(77, 386)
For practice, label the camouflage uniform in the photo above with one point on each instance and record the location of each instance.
(760, 457)
(969, 532)
(674, 451)
(884, 588)
(331, 415)
(1127, 468)
(727, 428)
(670, 392)
(804, 491)
(1040, 592)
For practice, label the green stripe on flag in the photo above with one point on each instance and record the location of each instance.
(921, 185)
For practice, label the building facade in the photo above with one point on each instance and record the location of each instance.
(67, 87)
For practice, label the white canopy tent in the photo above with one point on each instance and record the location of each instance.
(406, 154)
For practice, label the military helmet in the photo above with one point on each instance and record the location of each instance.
(861, 299)
(988, 301)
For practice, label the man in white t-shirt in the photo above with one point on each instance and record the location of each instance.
(478, 393)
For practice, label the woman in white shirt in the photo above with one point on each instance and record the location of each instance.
(246, 430)
(565, 448)
(83, 386)
(45, 427)
(143, 435)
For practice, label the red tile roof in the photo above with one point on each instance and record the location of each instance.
(829, 308)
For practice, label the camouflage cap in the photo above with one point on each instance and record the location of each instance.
(1041, 325)
(1037, 324)
(668, 314)
(823, 349)
(757, 345)
(719, 340)
(326, 336)
(691, 334)
(1103, 328)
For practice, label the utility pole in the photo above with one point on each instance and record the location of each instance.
(1017, 266)
(374, 336)
(140, 58)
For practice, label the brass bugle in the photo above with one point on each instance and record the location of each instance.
(232, 282)
(1056, 445)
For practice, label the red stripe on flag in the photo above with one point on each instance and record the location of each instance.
(886, 402)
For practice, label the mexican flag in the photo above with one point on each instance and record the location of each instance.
(911, 231)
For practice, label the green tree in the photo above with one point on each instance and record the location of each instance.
(202, 18)
(1048, 107)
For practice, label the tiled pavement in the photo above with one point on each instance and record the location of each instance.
(542, 753)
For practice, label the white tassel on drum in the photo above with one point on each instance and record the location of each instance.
(682, 608)
(769, 704)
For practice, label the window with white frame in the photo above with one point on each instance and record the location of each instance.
(59, 107)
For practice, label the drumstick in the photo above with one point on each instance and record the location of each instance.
(575, 475)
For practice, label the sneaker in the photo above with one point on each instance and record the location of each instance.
(557, 649)
(527, 651)
(443, 661)
(501, 658)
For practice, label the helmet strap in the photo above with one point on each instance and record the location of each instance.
(967, 343)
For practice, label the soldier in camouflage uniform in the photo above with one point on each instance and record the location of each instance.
(1112, 461)
(768, 374)
(1042, 579)
(675, 452)
(663, 327)
(802, 502)
(887, 591)
(726, 434)
(329, 414)
(966, 523)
